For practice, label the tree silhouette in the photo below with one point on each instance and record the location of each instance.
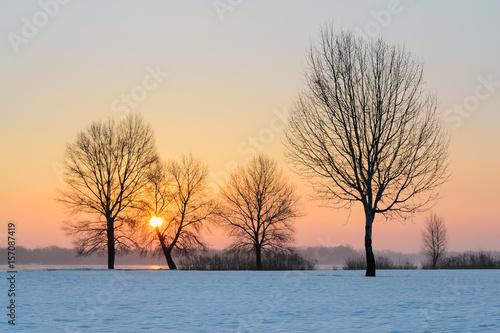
(179, 194)
(258, 207)
(364, 130)
(434, 239)
(105, 173)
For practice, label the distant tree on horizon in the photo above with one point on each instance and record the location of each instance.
(258, 208)
(364, 130)
(105, 172)
(434, 239)
(178, 193)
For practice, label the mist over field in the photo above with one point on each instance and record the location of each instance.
(325, 257)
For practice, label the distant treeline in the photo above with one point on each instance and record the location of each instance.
(343, 256)
(338, 255)
(471, 260)
(382, 262)
(55, 255)
(467, 260)
(237, 261)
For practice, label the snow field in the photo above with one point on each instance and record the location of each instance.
(247, 301)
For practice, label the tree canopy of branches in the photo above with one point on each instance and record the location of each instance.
(105, 172)
(178, 193)
(434, 239)
(364, 131)
(258, 207)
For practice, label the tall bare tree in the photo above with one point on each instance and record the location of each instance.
(434, 239)
(105, 172)
(365, 131)
(258, 207)
(179, 194)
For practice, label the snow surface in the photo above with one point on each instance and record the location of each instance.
(193, 301)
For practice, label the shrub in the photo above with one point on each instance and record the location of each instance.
(236, 261)
(469, 260)
(382, 262)
(287, 261)
(355, 263)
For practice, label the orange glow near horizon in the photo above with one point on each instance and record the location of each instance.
(57, 85)
(156, 221)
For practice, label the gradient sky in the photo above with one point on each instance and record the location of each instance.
(232, 73)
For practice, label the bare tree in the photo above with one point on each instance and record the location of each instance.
(434, 239)
(105, 172)
(258, 206)
(364, 130)
(178, 193)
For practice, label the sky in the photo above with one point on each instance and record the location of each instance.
(217, 78)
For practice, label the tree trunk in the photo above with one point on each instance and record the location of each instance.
(170, 261)
(370, 258)
(111, 243)
(258, 258)
(166, 251)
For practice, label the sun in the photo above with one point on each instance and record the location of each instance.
(155, 221)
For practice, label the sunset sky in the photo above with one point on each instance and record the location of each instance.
(217, 80)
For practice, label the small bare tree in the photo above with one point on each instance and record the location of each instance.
(434, 239)
(364, 130)
(105, 172)
(258, 207)
(179, 194)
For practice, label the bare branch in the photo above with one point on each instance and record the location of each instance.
(259, 207)
(105, 173)
(365, 131)
(434, 239)
(178, 192)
